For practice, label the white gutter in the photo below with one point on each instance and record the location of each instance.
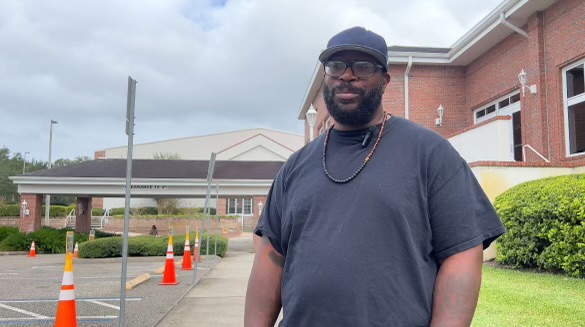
(406, 99)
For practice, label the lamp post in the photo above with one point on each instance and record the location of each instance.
(48, 197)
(311, 119)
(24, 162)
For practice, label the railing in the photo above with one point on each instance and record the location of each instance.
(69, 217)
(104, 218)
(533, 150)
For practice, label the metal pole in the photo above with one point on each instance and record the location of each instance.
(216, 218)
(130, 133)
(48, 197)
(208, 196)
(24, 162)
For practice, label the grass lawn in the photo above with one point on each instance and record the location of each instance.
(520, 298)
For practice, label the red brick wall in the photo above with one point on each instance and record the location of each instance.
(99, 154)
(32, 221)
(221, 206)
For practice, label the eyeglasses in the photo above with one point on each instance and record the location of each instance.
(360, 69)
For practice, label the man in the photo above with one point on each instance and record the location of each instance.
(378, 222)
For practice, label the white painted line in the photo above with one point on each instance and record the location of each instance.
(23, 311)
(8, 273)
(53, 318)
(105, 304)
(78, 299)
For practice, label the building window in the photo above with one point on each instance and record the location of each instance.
(235, 206)
(574, 96)
(494, 108)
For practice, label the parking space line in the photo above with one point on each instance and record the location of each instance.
(105, 304)
(23, 311)
(78, 300)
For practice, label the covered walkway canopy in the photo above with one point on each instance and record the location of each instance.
(150, 178)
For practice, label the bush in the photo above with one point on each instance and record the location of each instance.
(47, 240)
(10, 210)
(6, 231)
(545, 220)
(147, 245)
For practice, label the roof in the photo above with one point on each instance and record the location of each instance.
(180, 169)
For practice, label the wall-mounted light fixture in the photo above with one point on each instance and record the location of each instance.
(311, 119)
(523, 81)
(440, 111)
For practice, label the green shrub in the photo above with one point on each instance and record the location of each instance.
(10, 210)
(16, 242)
(5, 231)
(545, 220)
(147, 245)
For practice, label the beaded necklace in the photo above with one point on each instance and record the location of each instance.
(368, 157)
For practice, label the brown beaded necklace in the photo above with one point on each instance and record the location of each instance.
(368, 157)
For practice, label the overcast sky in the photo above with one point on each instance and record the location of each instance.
(202, 66)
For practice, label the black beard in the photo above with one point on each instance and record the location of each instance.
(360, 117)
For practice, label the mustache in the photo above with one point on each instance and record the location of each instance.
(346, 87)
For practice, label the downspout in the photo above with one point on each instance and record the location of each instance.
(406, 99)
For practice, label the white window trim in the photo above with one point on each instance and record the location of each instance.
(497, 111)
(239, 201)
(566, 104)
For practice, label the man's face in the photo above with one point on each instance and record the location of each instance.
(350, 100)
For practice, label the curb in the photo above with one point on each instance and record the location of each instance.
(14, 253)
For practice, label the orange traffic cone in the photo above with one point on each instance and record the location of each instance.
(67, 311)
(170, 278)
(33, 250)
(187, 263)
(196, 257)
(76, 251)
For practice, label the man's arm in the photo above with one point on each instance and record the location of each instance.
(457, 289)
(263, 300)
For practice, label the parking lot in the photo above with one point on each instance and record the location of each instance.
(31, 285)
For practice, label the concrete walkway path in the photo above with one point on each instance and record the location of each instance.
(218, 299)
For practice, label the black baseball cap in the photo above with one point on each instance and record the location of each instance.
(357, 39)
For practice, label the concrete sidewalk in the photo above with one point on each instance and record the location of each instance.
(218, 298)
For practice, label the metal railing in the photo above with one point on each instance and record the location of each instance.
(104, 218)
(69, 217)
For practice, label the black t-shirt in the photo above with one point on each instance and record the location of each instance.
(366, 253)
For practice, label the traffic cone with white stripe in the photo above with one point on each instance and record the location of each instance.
(67, 310)
(187, 263)
(76, 251)
(33, 250)
(196, 257)
(170, 277)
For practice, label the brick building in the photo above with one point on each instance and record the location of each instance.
(492, 119)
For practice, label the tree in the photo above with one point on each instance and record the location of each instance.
(166, 206)
(12, 166)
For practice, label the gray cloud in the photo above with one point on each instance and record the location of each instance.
(202, 66)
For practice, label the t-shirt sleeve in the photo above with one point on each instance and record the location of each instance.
(269, 223)
(461, 215)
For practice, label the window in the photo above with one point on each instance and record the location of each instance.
(574, 83)
(494, 108)
(235, 206)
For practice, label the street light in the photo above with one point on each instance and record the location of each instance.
(24, 162)
(311, 119)
(48, 197)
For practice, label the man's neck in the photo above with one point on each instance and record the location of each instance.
(378, 118)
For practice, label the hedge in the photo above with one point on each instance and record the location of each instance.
(47, 240)
(13, 210)
(147, 245)
(545, 220)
